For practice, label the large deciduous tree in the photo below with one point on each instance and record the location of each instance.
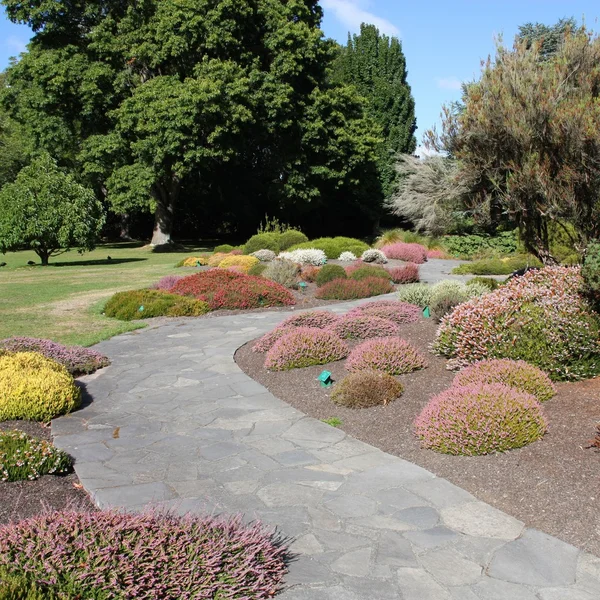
(529, 137)
(375, 64)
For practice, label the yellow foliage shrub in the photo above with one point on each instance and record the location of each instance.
(243, 263)
(193, 261)
(35, 388)
(216, 258)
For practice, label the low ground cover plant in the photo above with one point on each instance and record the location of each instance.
(193, 261)
(391, 355)
(305, 256)
(540, 317)
(370, 271)
(167, 556)
(480, 419)
(35, 388)
(497, 266)
(422, 294)
(329, 273)
(363, 327)
(145, 304)
(243, 263)
(372, 255)
(408, 273)
(415, 293)
(350, 289)
(514, 373)
(23, 457)
(366, 388)
(76, 359)
(230, 290)
(166, 283)
(311, 318)
(414, 253)
(438, 253)
(489, 282)
(391, 310)
(333, 247)
(284, 272)
(304, 347)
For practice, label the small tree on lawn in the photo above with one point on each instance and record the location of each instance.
(48, 212)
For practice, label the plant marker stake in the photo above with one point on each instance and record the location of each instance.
(325, 379)
(426, 312)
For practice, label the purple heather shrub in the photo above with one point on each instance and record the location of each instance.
(312, 318)
(409, 252)
(514, 373)
(480, 419)
(166, 283)
(363, 327)
(304, 347)
(267, 341)
(392, 310)
(76, 359)
(146, 556)
(391, 355)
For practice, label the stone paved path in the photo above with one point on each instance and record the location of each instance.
(175, 421)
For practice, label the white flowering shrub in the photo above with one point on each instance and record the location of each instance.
(264, 255)
(374, 256)
(306, 256)
(347, 257)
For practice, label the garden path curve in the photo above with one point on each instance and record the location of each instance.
(175, 421)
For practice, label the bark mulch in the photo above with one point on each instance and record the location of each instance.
(24, 499)
(552, 485)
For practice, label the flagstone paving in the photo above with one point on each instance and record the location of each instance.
(174, 421)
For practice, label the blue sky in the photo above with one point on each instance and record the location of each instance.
(443, 42)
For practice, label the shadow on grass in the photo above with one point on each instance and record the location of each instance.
(123, 245)
(96, 262)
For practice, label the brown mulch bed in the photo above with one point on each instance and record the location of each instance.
(551, 485)
(24, 499)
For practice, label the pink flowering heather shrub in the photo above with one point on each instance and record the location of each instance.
(414, 253)
(166, 283)
(514, 373)
(363, 327)
(480, 419)
(311, 318)
(391, 355)
(145, 556)
(76, 359)
(350, 289)
(267, 341)
(437, 253)
(357, 264)
(540, 317)
(408, 273)
(304, 347)
(392, 310)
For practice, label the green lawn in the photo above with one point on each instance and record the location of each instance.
(64, 300)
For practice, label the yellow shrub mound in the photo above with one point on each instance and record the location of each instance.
(35, 388)
(216, 258)
(244, 263)
(194, 261)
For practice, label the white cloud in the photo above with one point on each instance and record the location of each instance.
(15, 44)
(351, 14)
(449, 83)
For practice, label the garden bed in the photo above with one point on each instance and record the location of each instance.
(550, 485)
(24, 499)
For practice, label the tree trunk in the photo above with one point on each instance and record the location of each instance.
(124, 228)
(44, 256)
(166, 198)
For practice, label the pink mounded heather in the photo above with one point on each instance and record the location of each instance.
(480, 419)
(391, 355)
(166, 283)
(408, 273)
(437, 254)
(392, 310)
(312, 318)
(414, 253)
(363, 327)
(146, 556)
(304, 347)
(267, 341)
(514, 373)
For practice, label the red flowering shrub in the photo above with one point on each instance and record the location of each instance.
(127, 555)
(408, 273)
(391, 355)
(357, 264)
(309, 273)
(349, 289)
(304, 347)
(480, 419)
(311, 318)
(226, 289)
(514, 373)
(539, 317)
(392, 310)
(363, 327)
(414, 253)
(364, 389)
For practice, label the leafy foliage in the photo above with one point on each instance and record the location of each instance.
(590, 271)
(475, 245)
(364, 389)
(391, 355)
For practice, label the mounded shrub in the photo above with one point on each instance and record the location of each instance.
(76, 359)
(369, 271)
(166, 283)
(329, 273)
(166, 556)
(264, 255)
(497, 266)
(290, 238)
(224, 248)
(398, 312)
(35, 388)
(347, 257)
(372, 255)
(540, 318)
(363, 327)
(267, 341)
(226, 289)
(257, 269)
(350, 289)
(391, 355)
(408, 273)
(309, 273)
(305, 256)
(415, 293)
(437, 253)
(216, 259)
(414, 253)
(514, 373)
(23, 457)
(443, 302)
(311, 318)
(145, 304)
(284, 272)
(244, 263)
(304, 347)
(489, 282)
(480, 419)
(193, 261)
(364, 389)
(263, 241)
(333, 247)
